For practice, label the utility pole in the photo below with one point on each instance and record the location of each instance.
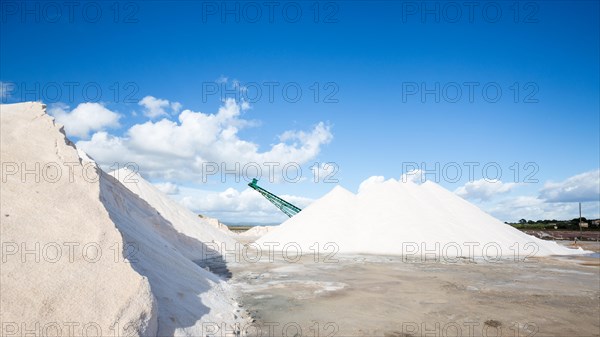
(580, 230)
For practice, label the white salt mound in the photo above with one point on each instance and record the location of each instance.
(187, 295)
(258, 231)
(218, 224)
(63, 285)
(403, 218)
(146, 278)
(325, 220)
(180, 218)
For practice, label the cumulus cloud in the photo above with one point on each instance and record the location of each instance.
(556, 200)
(532, 208)
(233, 206)
(167, 188)
(85, 118)
(483, 189)
(579, 188)
(180, 150)
(176, 107)
(156, 107)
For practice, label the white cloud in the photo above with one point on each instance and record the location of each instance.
(532, 208)
(156, 107)
(167, 188)
(233, 206)
(85, 118)
(555, 201)
(579, 188)
(483, 189)
(180, 150)
(176, 107)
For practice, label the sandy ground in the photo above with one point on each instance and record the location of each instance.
(386, 296)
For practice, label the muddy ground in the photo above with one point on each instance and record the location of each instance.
(363, 295)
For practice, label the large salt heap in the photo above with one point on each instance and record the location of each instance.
(257, 231)
(62, 269)
(326, 220)
(181, 219)
(402, 218)
(189, 298)
(124, 267)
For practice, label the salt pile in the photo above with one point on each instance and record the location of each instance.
(48, 276)
(144, 281)
(181, 219)
(189, 298)
(217, 224)
(257, 231)
(325, 220)
(402, 218)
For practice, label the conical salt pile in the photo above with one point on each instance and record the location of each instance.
(402, 218)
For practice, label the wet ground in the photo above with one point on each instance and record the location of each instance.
(365, 295)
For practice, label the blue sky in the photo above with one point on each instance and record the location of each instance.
(370, 63)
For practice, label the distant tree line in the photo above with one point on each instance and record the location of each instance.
(572, 224)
